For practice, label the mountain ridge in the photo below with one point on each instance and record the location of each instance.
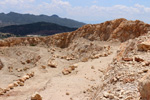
(39, 28)
(14, 18)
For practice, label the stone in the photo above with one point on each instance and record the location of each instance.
(11, 86)
(92, 67)
(22, 62)
(43, 67)
(128, 80)
(10, 69)
(30, 74)
(1, 91)
(21, 83)
(127, 59)
(28, 61)
(36, 96)
(138, 59)
(129, 98)
(108, 95)
(25, 77)
(6, 89)
(15, 84)
(1, 65)
(25, 68)
(66, 71)
(147, 63)
(144, 46)
(67, 93)
(22, 80)
(73, 67)
(52, 64)
(144, 87)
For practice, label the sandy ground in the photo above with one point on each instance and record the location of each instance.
(50, 83)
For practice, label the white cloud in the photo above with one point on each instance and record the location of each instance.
(86, 14)
(14, 2)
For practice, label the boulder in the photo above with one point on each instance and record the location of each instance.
(144, 87)
(36, 96)
(144, 46)
(52, 64)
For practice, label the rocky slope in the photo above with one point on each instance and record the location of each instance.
(107, 61)
(128, 77)
(119, 29)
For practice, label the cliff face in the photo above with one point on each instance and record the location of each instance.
(120, 29)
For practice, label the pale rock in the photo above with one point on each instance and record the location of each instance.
(144, 46)
(144, 87)
(15, 84)
(6, 89)
(21, 83)
(108, 95)
(11, 86)
(52, 64)
(68, 70)
(36, 96)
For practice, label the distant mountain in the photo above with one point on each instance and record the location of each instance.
(13, 18)
(39, 28)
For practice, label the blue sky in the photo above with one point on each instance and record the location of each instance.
(88, 11)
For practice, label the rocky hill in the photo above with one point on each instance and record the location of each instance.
(119, 29)
(39, 28)
(107, 61)
(14, 18)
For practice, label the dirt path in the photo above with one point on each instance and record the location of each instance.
(81, 83)
(51, 84)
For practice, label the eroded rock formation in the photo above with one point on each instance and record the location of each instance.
(120, 29)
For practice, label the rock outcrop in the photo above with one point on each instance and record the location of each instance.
(144, 46)
(144, 87)
(120, 29)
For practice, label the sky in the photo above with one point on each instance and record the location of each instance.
(88, 11)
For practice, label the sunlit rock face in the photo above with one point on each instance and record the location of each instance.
(120, 29)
